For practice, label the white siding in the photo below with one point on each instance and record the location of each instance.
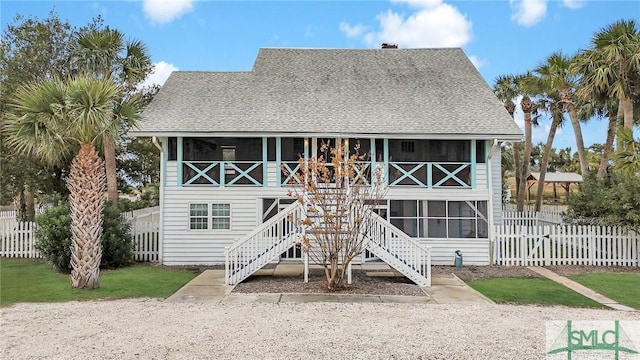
(474, 251)
(172, 173)
(496, 179)
(481, 176)
(272, 174)
(182, 246)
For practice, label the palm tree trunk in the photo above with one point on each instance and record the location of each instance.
(627, 110)
(582, 156)
(110, 164)
(516, 166)
(86, 185)
(29, 202)
(545, 162)
(608, 146)
(524, 171)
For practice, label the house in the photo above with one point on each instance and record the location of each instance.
(229, 139)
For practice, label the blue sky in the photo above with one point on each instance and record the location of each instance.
(501, 37)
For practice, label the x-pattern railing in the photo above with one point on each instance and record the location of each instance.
(221, 171)
(409, 171)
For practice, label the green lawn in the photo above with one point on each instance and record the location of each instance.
(26, 280)
(530, 291)
(621, 287)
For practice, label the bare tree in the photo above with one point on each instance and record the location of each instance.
(340, 195)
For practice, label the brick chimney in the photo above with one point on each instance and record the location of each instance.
(389, 46)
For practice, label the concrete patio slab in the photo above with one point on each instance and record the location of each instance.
(445, 279)
(208, 277)
(264, 272)
(301, 298)
(252, 298)
(358, 298)
(288, 270)
(383, 274)
(406, 299)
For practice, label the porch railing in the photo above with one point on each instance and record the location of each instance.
(264, 244)
(400, 251)
(430, 174)
(421, 174)
(223, 173)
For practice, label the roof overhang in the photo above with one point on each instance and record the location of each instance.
(499, 137)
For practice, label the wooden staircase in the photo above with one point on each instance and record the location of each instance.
(283, 231)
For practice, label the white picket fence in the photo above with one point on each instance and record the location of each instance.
(565, 245)
(149, 214)
(12, 213)
(556, 209)
(531, 218)
(17, 239)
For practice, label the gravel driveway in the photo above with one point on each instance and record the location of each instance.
(152, 329)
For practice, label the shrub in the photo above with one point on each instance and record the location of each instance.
(53, 235)
(613, 201)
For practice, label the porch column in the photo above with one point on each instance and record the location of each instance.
(473, 164)
(278, 161)
(179, 156)
(265, 162)
(373, 160)
(386, 161)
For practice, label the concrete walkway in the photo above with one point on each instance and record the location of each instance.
(209, 287)
(581, 289)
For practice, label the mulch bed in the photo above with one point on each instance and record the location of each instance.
(384, 285)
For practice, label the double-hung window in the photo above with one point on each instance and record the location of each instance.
(209, 216)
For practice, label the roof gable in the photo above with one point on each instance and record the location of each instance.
(421, 92)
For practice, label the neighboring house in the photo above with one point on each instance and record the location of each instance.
(425, 115)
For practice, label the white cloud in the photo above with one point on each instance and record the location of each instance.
(165, 11)
(476, 61)
(528, 12)
(160, 74)
(573, 4)
(432, 24)
(352, 31)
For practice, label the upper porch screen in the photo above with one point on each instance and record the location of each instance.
(213, 149)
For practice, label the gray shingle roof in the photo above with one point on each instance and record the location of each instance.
(395, 92)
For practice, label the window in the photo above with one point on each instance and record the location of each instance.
(220, 216)
(200, 218)
(440, 219)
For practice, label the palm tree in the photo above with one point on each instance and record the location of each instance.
(555, 79)
(507, 89)
(527, 107)
(602, 107)
(628, 160)
(105, 54)
(612, 66)
(552, 106)
(52, 119)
